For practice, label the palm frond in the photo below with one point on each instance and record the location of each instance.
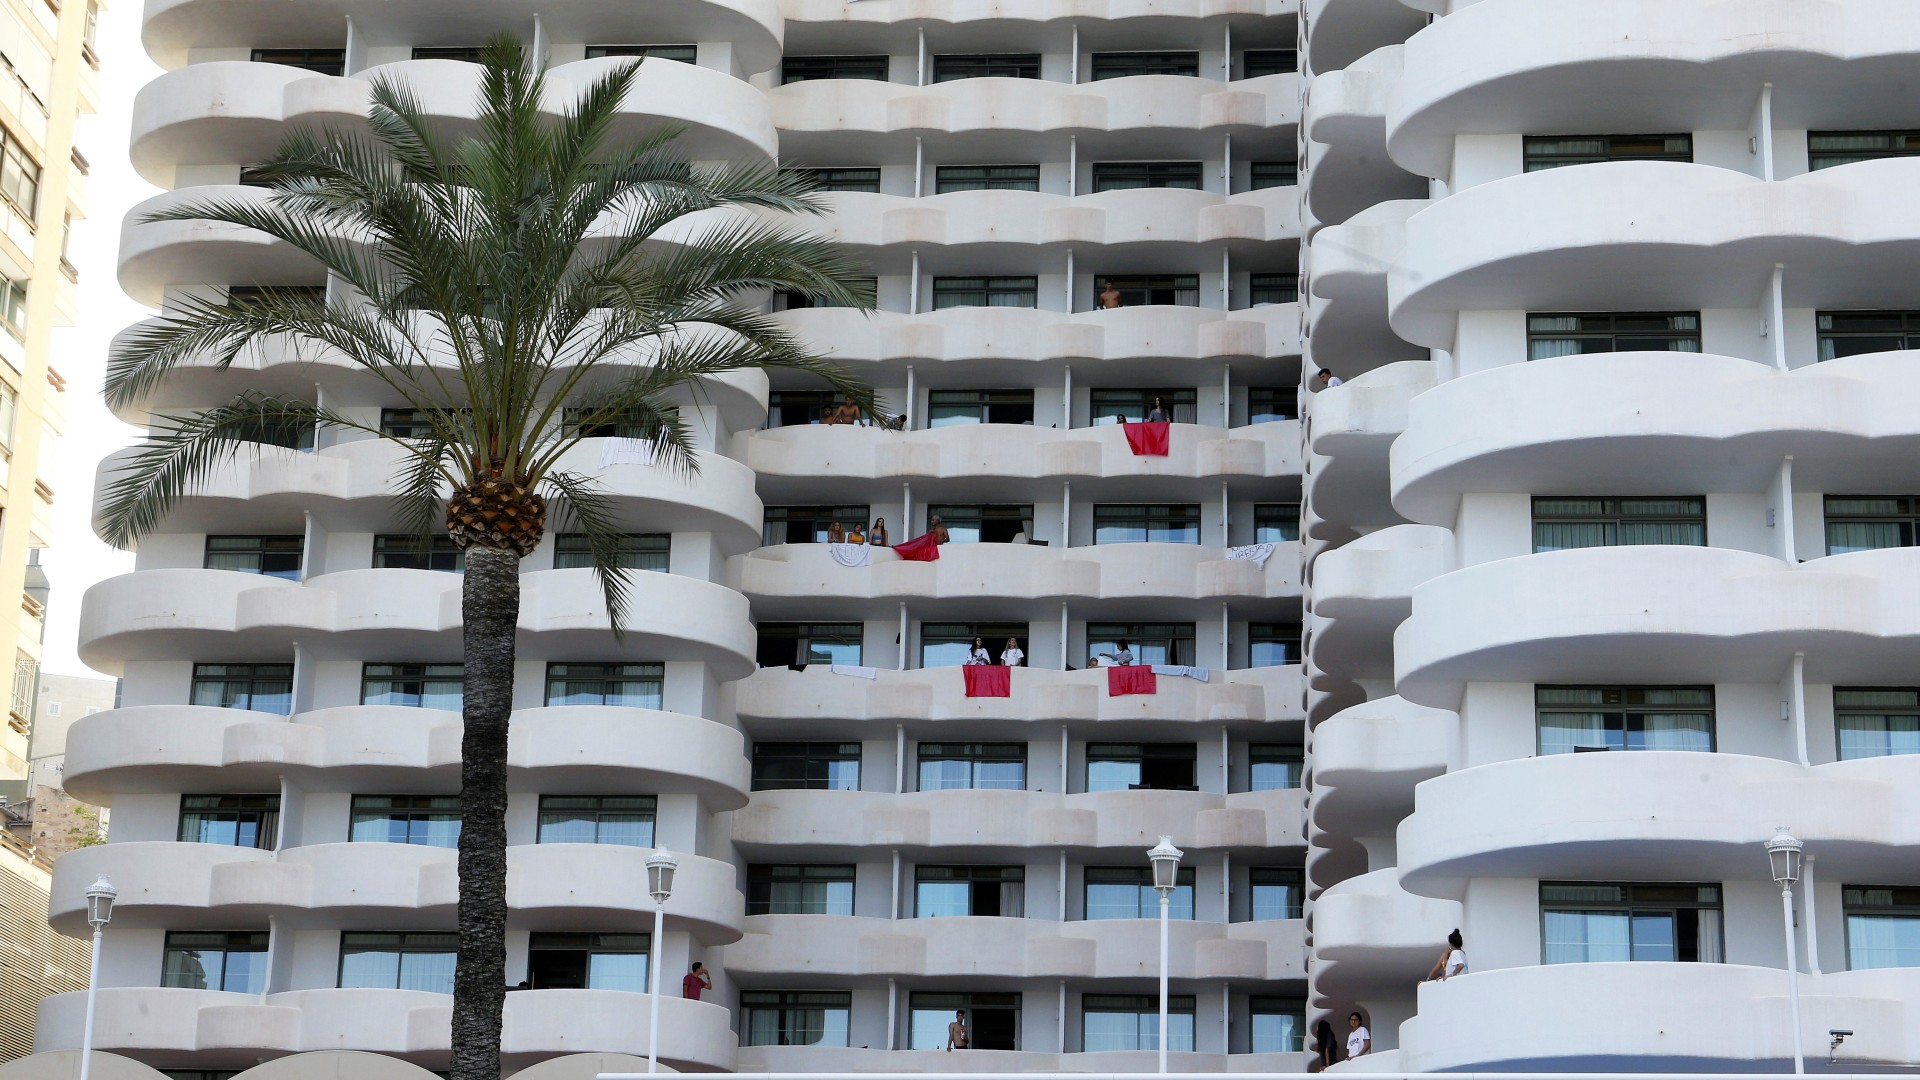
(582, 506)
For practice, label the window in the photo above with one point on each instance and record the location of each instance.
(288, 433)
(1136, 290)
(808, 524)
(866, 178)
(1115, 405)
(249, 821)
(995, 766)
(1276, 523)
(425, 820)
(1136, 766)
(245, 296)
(200, 1074)
(952, 67)
(794, 1017)
(322, 61)
(947, 644)
(399, 961)
(19, 176)
(421, 686)
(233, 962)
(1563, 523)
(1883, 926)
(1876, 721)
(13, 308)
(271, 556)
(800, 644)
(800, 890)
(1126, 892)
(795, 69)
(956, 891)
(622, 820)
(1267, 404)
(585, 423)
(466, 54)
(685, 54)
(1272, 174)
(1272, 767)
(794, 301)
(798, 408)
(1555, 151)
(810, 766)
(1825, 149)
(405, 553)
(627, 686)
(1851, 333)
(1870, 522)
(1274, 644)
(1132, 1022)
(1127, 175)
(1142, 523)
(9, 415)
(947, 408)
(993, 1020)
(1279, 1025)
(954, 292)
(982, 524)
(986, 178)
(1277, 892)
(1596, 923)
(1570, 334)
(1259, 63)
(1152, 643)
(264, 688)
(1273, 289)
(1574, 719)
(635, 551)
(1120, 65)
(408, 423)
(588, 961)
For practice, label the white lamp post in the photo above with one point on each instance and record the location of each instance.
(1783, 853)
(100, 897)
(1166, 873)
(660, 868)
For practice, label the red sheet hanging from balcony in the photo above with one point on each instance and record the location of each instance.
(1132, 679)
(988, 680)
(921, 548)
(1148, 439)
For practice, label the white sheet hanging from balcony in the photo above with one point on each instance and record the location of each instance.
(851, 554)
(1182, 671)
(855, 671)
(1257, 554)
(626, 452)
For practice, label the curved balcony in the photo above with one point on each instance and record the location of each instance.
(156, 254)
(851, 1061)
(386, 887)
(1349, 496)
(1040, 16)
(1575, 423)
(571, 748)
(1559, 66)
(835, 463)
(1346, 30)
(1659, 614)
(846, 947)
(170, 28)
(1347, 301)
(1694, 817)
(1025, 343)
(1371, 938)
(1010, 821)
(774, 700)
(1182, 115)
(1647, 1017)
(1363, 416)
(236, 111)
(1367, 758)
(194, 614)
(1346, 121)
(270, 490)
(240, 1028)
(1364, 590)
(1697, 237)
(1180, 580)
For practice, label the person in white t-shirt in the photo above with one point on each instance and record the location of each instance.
(1453, 960)
(978, 655)
(1359, 1039)
(1328, 379)
(1011, 656)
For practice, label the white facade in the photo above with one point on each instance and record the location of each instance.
(1152, 146)
(1533, 529)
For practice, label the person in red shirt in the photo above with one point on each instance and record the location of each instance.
(696, 982)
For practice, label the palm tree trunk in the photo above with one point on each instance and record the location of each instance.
(490, 603)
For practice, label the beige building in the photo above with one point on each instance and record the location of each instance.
(34, 960)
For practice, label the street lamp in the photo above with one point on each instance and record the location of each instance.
(660, 868)
(100, 896)
(1783, 857)
(1166, 873)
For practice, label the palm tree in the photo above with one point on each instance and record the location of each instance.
(520, 288)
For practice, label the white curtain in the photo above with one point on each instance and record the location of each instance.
(1710, 952)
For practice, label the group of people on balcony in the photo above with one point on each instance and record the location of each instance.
(877, 536)
(1328, 1050)
(1011, 654)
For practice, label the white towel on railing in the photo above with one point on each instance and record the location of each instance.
(1257, 554)
(1198, 673)
(856, 672)
(851, 554)
(626, 452)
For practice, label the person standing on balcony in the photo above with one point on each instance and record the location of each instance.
(1328, 380)
(877, 536)
(979, 655)
(836, 533)
(1453, 960)
(1011, 656)
(1159, 414)
(1359, 1039)
(937, 530)
(847, 412)
(1110, 296)
(1326, 1048)
(697, 981)
(957, 1031)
